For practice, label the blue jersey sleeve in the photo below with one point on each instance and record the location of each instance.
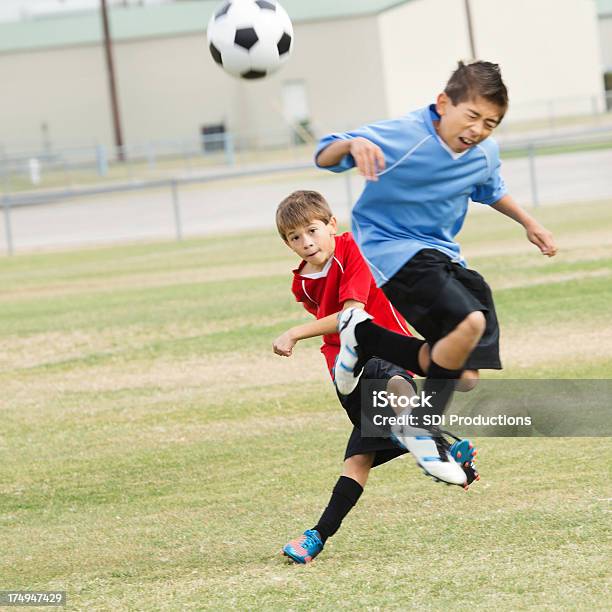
(346, 163)
(494, 188)
(386, 134)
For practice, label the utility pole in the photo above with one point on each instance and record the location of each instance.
(111, 82)
(468, 16)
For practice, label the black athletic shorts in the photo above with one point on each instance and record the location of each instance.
(374, 369)
(434, 294)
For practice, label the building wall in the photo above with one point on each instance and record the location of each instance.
(64, 88)
(170, 87)
(354, 70)
(548, 50)
(605, 35)
(340, 64)
(421, 43)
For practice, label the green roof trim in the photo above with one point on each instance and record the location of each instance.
(150, 21)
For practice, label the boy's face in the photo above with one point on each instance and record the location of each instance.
(314, 242)
(463, 126)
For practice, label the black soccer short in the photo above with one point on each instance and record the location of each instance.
(435, 294)
(381, 370)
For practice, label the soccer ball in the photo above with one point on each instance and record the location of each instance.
(250, 38)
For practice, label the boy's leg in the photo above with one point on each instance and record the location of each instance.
(447, 360)
(451, 307)
(468, 381)
(361, 340)
(345, 494)
(442, 300)
(452, 464)
(447, 305)
(429, 448)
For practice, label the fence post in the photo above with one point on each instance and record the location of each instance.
(101, 160)
(177, 210)
(228, 145)
(6, 206)
(533, 175)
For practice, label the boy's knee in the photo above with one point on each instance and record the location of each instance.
(474, 324)
(468, 381)
(358, 467)
(400, 386)
(364, 460)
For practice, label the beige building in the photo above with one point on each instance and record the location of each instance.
(605, 36)
(353, 61)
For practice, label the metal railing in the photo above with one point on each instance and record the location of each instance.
(49, 166)
(529, 150)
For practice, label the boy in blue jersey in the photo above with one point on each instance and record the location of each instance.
(421, 170)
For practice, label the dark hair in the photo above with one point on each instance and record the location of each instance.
(299, 209)
(478, 79)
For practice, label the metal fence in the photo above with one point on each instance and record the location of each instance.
(571, 167)
(67, 167)
(47, 166)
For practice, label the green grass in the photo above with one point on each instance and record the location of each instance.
(155, 454)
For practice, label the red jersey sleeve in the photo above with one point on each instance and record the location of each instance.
(356, 279)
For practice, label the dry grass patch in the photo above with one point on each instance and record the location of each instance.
(148, 280)
(555, 344)
(215, 377)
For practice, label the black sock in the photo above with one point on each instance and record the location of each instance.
(344, 496)
(375, 340)
(440, 385)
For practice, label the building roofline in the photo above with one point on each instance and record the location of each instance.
(83, 28)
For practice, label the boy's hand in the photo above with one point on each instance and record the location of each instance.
(543, 239)
(284, 344)
(369, 158)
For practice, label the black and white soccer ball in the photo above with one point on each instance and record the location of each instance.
(250, 38)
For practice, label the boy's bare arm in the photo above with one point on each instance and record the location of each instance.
(369, 157)
(284, 344)
(536, 233)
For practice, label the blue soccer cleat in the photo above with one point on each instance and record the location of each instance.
(305, 548)
(464, 453)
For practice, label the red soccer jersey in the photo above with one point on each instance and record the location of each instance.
(346, 276)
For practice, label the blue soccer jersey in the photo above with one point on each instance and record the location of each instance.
(421, 198)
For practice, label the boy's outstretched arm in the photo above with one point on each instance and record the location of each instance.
(284, 344)
(368, 156)
(536, 233)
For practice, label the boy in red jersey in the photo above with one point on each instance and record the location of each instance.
(332, 277)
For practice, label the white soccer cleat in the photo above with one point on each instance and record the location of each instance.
(345, 377)
(432, 455)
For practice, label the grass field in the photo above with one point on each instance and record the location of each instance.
(155, 454)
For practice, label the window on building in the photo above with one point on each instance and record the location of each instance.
(213, 137)
(296, 111)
